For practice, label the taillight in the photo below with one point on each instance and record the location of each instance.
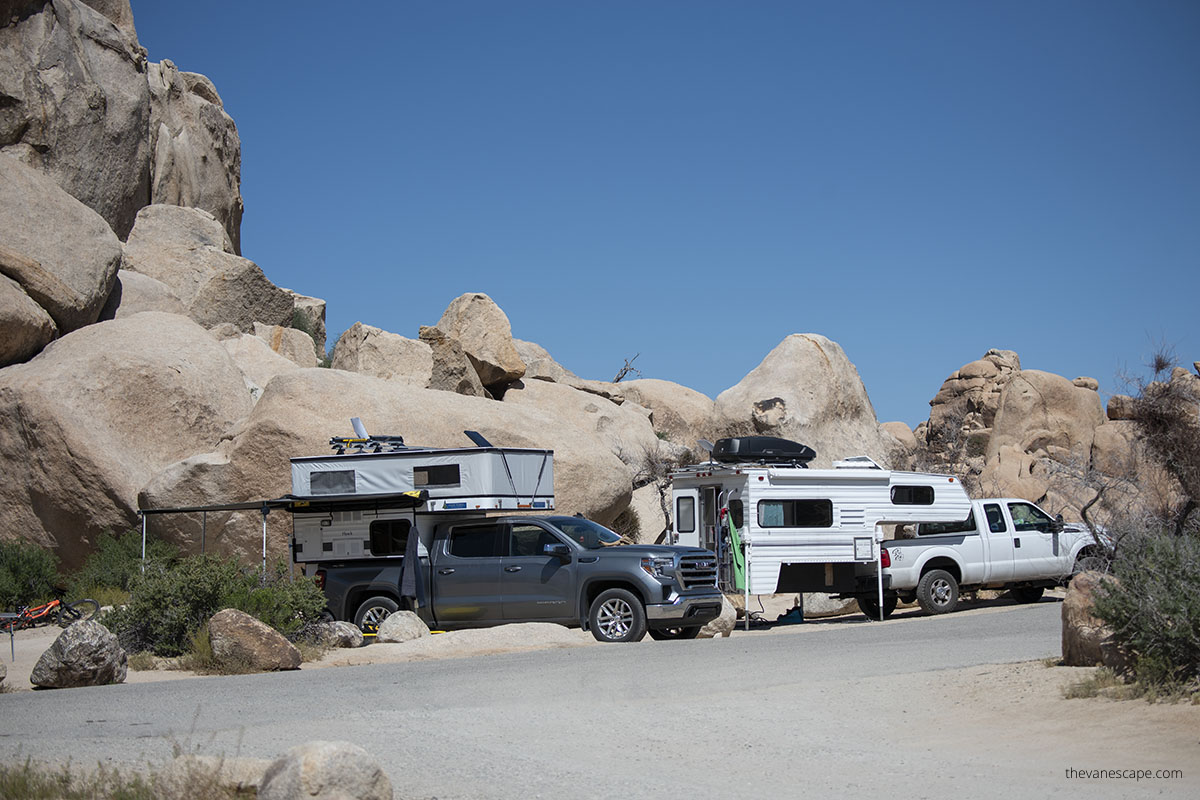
(885, 558)
(319, 578)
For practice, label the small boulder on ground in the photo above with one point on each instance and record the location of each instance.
(338, 634)
(723, 625)
(325, 771)
(402, 626)
(85, 654)
(1086, 640)
(237, 636)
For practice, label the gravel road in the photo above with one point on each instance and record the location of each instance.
(909, 708)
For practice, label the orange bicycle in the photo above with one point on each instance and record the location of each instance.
(57, 610)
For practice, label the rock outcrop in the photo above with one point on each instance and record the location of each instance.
(25, 327)
(197, 155)
(485, 334)
(970, 398)
(372, 351)
(294, 345)
(1046, 414)
(75, 105)
(188, 250)
(682, 415)
(61, 252)
(401, 626)
(98, 413)
(452, 371)
(238, 638)
(85, 654)
(325, 771)
(806, 390)
(308, 314)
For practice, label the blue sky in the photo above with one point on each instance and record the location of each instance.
(693, 181)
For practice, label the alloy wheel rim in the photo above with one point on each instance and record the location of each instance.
(615, 618)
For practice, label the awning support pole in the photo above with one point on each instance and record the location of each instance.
(879, 568)
(203, 529)
(143, 516)
(265, 510)
(746, 580)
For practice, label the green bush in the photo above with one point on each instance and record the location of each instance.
(170, 603)
(28, 574)
(118, 560)
(1154, 608)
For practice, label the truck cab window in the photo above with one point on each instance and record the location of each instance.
(389, 537)
(995, 518)
(529, 540)
(1028, 517)
(475, 541)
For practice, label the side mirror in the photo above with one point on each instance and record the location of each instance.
(1057, 525)
(561, 550)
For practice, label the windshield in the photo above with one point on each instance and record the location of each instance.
(591, 535)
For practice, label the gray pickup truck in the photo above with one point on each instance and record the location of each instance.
(486, 571)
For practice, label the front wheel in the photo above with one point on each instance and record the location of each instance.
(617, 615)
(667, 634)
(374, 611)
(80, 610)
(937, 592)
(870, 606)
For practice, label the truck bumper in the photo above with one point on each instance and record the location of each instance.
(688, 610)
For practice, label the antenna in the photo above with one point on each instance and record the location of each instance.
(360, 430)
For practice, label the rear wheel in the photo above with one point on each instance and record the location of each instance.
(78, 611)
(374, 611)
(617, 615)
(937, 592)
(666, 634)
(1028, 594)
(870, 606)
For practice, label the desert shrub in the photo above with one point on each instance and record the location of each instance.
(28, 574)
(117, 561)
(170, 603)
(1154, 608)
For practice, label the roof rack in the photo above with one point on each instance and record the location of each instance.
(371, 444)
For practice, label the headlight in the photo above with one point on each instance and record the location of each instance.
(661, 567)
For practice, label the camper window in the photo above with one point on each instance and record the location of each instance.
(333, 482)
(795, 513)
(912, 495)
(440, 475)
(685, 515)
(389, 537)
(475, 541)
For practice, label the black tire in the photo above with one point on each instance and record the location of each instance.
(617, 615)
(373, 611)
(1028, 594)
(870, 606)
(667, 634)
(937, 592)
(80, 610)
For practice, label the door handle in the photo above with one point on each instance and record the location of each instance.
(447, 571)
(512, 569)
(1016, 542)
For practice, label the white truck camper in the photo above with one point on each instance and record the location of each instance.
(361, 501)
(778, 526)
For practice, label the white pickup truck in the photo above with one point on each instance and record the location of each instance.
(1005, 543)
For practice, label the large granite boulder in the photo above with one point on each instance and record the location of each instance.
(308, 314)
(452, 371)
(25, 327)
(300, 410)
(485, 334)
(1086, 640)
(135, 293)
(189, 251)
(74, 104)
(254, 357)
(294, 345)
(325, 771)
(970, 398)
(197, 155)
(682, 415)
(85, 654)
(372, 351)
(540, 365)
(118, 13)
(238, 638)
(97, 414)
(401, 626)
(1045, 414)
(806, 390)
(60, 251)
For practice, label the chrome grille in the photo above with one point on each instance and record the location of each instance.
(698, 571)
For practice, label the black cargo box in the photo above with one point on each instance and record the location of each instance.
(762, 449)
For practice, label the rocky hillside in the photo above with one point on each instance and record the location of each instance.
(145, 363)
